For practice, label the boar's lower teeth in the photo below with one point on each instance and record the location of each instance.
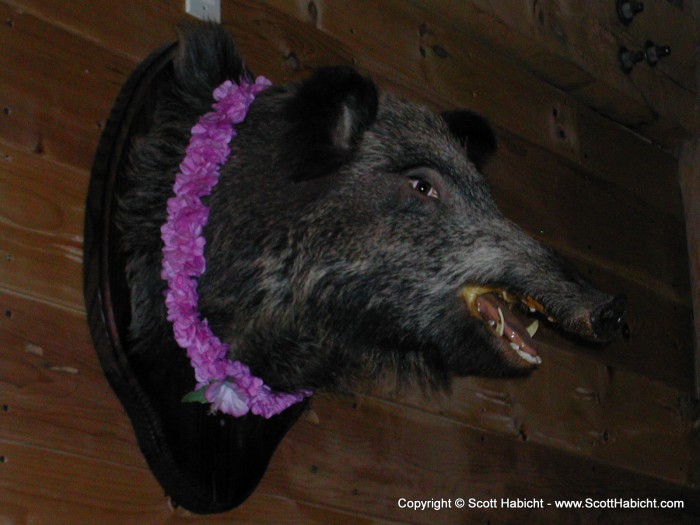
(534, 359)
(491, 306)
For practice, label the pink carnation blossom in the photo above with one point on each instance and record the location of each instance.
(225, 396)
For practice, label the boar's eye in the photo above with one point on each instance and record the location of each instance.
(424, 188)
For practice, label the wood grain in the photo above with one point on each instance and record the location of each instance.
(131, 30)
(689, 175)
(576, 405)
(48, 360)
(362, 454)
(551, 38)
(61, 91)
(284, 48)
(589, 218)
(46, 487)
(285, 37)
(395, 455)
(41, 226)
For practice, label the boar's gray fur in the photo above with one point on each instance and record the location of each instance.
(329, 258)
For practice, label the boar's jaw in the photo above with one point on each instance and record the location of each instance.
(599, 323)
(494, 307)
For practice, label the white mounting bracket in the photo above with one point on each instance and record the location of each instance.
(204, 9)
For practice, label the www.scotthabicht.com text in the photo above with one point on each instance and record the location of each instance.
(537, 503)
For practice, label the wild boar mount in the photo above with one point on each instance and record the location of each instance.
(249, 244)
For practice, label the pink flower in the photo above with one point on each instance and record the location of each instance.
(268, 403)
(230, 387)
(227, 398)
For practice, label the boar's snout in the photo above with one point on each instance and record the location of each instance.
(607, 319)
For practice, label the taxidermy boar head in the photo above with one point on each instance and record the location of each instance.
(350, 234)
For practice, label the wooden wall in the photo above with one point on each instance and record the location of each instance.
(587, 163)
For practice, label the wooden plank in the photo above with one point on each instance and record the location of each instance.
(42, 487)
(61, 91)
(689, 175)
(103, 35)
(590, 219)
(665, 25)
(619, 157)
(398, 41)
(45, 487)
(41, 227)
(582, 58)
(284, 50)
(363, 455)
(605, 414)
(390, 455)
(395, 456)
(129, 29)
(46, 359)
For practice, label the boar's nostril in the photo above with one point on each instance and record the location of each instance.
(608, 318)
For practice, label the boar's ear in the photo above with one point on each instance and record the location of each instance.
(329, 113)
(475, 134)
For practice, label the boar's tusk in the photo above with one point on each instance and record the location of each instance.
(532, 329)
(501, 323)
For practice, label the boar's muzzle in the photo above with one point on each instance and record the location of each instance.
(504, 314)
(607, 319)
(537, 282)
(598, 320)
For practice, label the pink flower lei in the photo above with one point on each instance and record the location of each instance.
(228, 385)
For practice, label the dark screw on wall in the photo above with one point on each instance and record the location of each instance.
(628, 59)
(652, 53)
(655, 53)
(627, 10)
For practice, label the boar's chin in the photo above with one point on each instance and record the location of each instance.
(511, 334)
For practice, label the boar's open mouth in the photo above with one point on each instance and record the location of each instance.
(495, 308)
